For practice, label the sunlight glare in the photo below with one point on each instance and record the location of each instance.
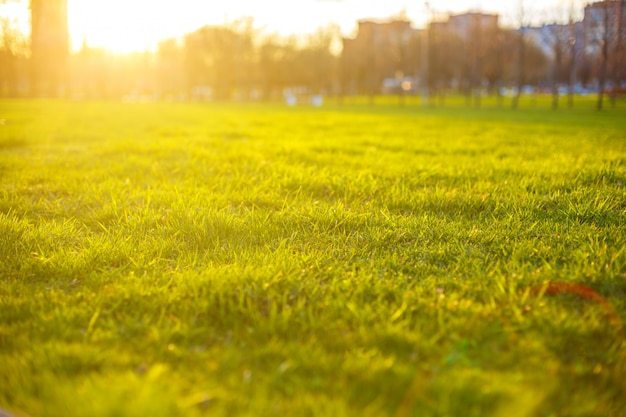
(138, 25)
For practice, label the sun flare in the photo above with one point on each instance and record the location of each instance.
(138, 25)
(125, 26)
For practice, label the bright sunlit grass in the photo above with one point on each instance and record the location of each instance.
(186, 259)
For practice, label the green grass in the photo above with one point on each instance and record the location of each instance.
(259, 260)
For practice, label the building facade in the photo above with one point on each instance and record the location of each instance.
(604, 20)
(381, 50)
(604, 25)
(465, 24)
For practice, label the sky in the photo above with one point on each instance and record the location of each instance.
(137, 25)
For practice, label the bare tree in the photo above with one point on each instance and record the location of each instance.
(219, 56)
(557, 37)
(604, 55)
(572, 56)
(619, 52)
(605, 40)
(493, 66)
(521, 55)
(445, 59)
(13, 50)
(170, 68)
(317, 61)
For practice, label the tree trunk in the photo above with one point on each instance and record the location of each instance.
(572, 58)
(602, 79)
(604, 59)
(520, 73)
(555, 75)
(572, 75)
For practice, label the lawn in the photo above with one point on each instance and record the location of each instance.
(170, 259)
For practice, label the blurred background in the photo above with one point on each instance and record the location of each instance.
(308, 49)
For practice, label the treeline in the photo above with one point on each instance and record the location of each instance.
(483, 59)
(237, 61)
(234, 61)
(14, 63)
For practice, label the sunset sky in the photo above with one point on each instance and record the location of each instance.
(135, 25)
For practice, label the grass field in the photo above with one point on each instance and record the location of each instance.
(257, 260)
